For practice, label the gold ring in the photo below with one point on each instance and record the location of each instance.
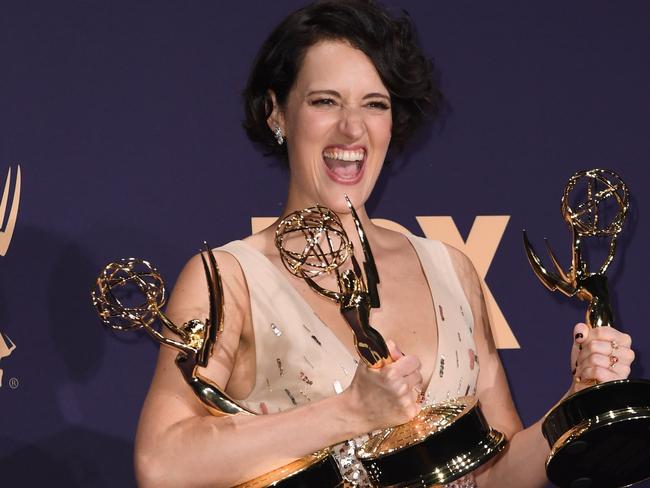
(612, 361)
(614, 346)
(578, 379)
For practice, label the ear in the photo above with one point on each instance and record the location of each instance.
(276, 119)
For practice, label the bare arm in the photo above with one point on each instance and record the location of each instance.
(179, 444)
(522, 464)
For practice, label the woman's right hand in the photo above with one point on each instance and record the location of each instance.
(386, 396)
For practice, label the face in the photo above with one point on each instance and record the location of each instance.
(337, 121)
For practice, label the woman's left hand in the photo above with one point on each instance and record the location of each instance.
(600, 354)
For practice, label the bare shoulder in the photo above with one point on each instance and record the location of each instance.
(190, 298)
(472, 287)
(465, 270)
(168, 395)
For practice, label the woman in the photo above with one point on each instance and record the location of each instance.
(335, 87)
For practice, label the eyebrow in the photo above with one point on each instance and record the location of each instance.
(337, 94)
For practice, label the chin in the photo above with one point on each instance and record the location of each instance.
(336, 201)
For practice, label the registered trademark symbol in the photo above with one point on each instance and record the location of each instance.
(13, 383)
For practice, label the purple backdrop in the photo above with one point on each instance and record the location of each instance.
(125, 119)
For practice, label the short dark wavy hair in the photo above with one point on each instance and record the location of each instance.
(390, 43)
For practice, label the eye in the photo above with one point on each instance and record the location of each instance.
(322, 102)
(378, 105)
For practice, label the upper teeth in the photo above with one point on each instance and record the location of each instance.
(344, 155)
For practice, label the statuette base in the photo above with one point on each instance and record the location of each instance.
(441, 444)
(600, 436)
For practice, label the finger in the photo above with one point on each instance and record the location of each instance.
(608, 349)
(396, 371)
(621, 368)
(594, 360)
(600, 374)
(418, 396)
(394, 350)
(411, 407)
(414, 380)
(598, 347)
(611, 334)
(621, 371)
(626, 356)
(580, 333)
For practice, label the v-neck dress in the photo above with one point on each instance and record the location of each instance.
(299, 359)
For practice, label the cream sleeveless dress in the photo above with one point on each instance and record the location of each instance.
(299, 359)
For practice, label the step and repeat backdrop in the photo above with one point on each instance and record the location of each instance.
(120, 135)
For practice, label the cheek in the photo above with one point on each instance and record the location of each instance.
(302, 132)
(310, 125)
(381, 129)
(314, 133)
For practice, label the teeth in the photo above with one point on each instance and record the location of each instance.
(344, 155)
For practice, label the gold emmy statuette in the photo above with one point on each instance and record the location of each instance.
(600, 436)
(444, 441)
(130, 294)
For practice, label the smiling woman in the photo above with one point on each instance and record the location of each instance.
(389, 43)
(336, 85)
(337, 122)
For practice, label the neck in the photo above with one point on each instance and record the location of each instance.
(350, 227)
(344, 215)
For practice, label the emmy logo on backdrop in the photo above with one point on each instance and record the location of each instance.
(6, 348)
(7, 223)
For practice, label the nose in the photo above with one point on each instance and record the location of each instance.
(352, 124)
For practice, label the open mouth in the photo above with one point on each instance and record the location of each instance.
(344, 165)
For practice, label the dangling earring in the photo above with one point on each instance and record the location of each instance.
(279, 136)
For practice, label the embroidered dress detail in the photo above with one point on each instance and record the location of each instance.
(299, 359)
